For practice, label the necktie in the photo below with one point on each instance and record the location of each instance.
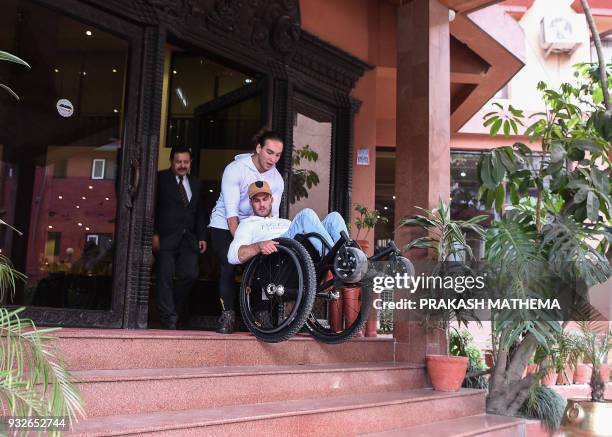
(182, 192)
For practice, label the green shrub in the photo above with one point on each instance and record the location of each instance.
(544, 404)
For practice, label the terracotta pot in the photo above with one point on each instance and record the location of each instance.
(365, 246)
(335, 309)
(446, 372)
(583, 373)
(566, 377)
(351, 305)
(531, 368)
(550, 378)
(372, 323)
(489, 359)
(604, 371)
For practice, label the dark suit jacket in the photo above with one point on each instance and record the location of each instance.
(172, 219)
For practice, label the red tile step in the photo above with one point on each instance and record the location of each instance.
(488, 425)
(330, 416)
(127, 391)
(89, 349)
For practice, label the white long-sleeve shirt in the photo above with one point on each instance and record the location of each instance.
(253, 230)
(234, 198)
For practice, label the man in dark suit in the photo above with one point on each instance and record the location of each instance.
(179, 235)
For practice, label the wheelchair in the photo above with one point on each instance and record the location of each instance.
(298, 288)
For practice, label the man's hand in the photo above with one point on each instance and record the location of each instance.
(155, 243)
(202, 246)
(267, 247)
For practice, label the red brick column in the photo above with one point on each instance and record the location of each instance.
(422, 168)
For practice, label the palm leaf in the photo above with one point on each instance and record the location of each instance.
(5, 56)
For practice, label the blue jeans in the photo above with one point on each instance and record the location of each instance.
(307, 221)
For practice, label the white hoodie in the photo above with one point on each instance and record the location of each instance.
(234, 198)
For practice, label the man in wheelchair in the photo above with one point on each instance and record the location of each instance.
(255, 234)
(297, 270)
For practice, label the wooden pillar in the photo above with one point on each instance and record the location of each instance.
(422, 166)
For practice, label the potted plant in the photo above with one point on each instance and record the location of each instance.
(591, 416)
(447, 241)
(367, 220)
(565, 350)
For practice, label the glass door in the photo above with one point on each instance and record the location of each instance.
(60, 153)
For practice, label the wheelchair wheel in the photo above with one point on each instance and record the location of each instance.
(321, 324)
(278, 291)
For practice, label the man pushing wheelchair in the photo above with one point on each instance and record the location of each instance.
(296, 270)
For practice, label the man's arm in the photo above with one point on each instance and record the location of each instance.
(232, 224)
(230, 187)
(248, 251)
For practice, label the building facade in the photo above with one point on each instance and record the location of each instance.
(115, 84)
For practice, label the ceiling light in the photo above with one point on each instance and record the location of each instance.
(248, 80)
(84, 73)
(174, 71)
(60, 197)
(385, 208)
(50, 227)
(56, 70)
(88, 33)
(106, 198)
(78, 206)
(463, 174)
(83, 197)
(90, 187)
(115, 110)
(80, 224)
(393, 197)
(210, 191)
(114, 70)
(87, 229)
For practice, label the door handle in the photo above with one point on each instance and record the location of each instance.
(135, 181)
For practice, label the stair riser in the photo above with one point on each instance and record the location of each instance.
(128, 397)
(514, 431)
(146, 353)
(337, 423)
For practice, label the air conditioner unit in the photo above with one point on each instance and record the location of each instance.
(562, 34)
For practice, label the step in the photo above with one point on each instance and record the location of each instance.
(488, 425)
(89, 349)
(330, 416)
(127, 391)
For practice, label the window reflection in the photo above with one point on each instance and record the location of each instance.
(59, 155)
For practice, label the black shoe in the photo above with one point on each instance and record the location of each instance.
(227, 322)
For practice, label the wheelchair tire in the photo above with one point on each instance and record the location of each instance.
(292, 268)
(322, 331)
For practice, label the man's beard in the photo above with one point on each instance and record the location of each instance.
(263, 213)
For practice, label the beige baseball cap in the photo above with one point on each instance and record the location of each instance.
(258, 187)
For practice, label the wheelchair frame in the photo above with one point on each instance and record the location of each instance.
(319, 291)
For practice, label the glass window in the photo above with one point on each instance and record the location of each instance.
(59, 147)
(311, 165)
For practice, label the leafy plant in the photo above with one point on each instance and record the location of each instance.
(544, 404)
(446, 237)
(594, 348)
(460, 345)
(550, 215)
(5, 56)
(33, 377)
(303, 179)
(367, 219)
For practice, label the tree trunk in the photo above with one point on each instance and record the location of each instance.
(603, 76)
(507, 387)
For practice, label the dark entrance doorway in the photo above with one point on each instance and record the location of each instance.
(61, 149)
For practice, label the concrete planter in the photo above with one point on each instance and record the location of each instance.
(583, 373)
(550, 378)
